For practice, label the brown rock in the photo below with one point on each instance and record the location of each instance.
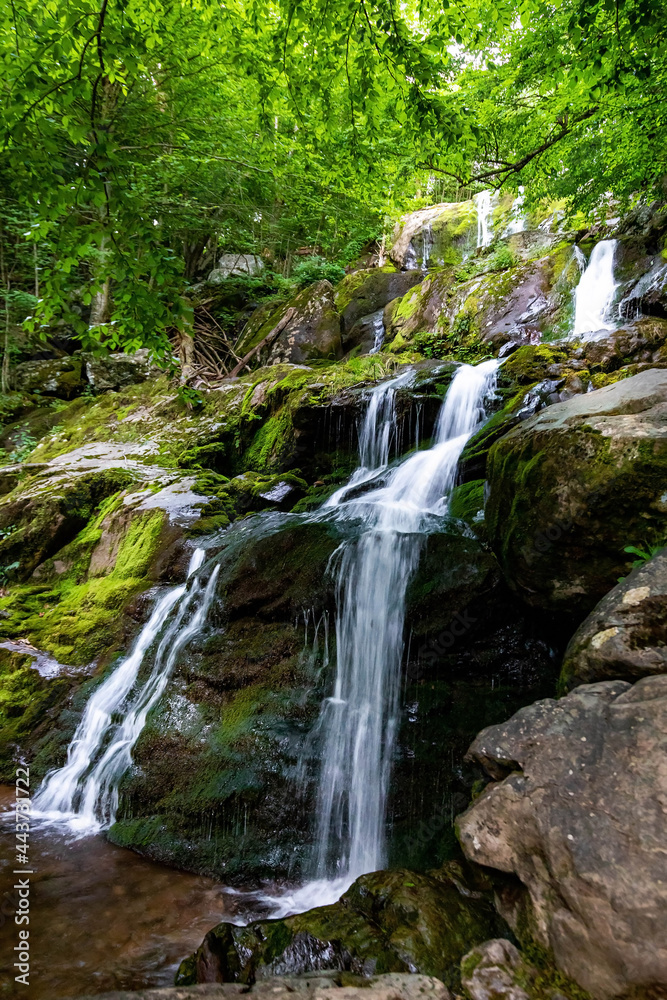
(625, 636)
(579, 821)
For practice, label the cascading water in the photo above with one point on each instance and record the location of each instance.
(378, 332)
(517, 223)
(594, 294)
(84, 792)
(358, 722)
(484, 221)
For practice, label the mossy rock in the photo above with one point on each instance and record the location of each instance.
(364, 292)
(573, 486)
(27, 704)
(398, 921)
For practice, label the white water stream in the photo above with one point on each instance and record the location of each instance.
(594, 294)
(391, 510)
(484, 207)
(83, 794)
(358, 722)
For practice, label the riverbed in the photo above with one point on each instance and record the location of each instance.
(101, 917)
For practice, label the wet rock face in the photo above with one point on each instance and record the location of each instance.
(625, 636)
(435, 236)
(396, 922)
(238, 712)
(571, 487)
(322, 986)
(576, 815)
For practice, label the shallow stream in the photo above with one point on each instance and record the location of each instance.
(101, 917)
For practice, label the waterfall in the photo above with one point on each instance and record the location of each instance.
(378, 331)
(359, 720)
(484, 218)
(517, 223)
(427, 246)
(595, 292)
(84, 792)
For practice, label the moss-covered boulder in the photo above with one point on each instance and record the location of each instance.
(364, 292)
(493, 298)
(397, 921)
(62, 378)
(312, 332)
(436, 236)
(575, 485)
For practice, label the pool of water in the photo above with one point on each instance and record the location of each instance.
(101, 917)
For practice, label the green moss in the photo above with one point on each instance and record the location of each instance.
(467, 500)
(530, 363)
(26, 699)
(75, 617)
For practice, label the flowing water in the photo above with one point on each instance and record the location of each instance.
(391, 509)
(484, 208)
(101, 917)
(594, 294)
(517, 223)
(83, 793)
(358, 722)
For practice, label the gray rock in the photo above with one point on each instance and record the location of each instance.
(114, 371)
(577, 816)
(625, 636)
(314, 330)
(490, 971)
(231, 264)
(392, 986)
(63, 378)
(573, 486)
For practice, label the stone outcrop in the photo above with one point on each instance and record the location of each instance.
(397, 921)
(435, 236)
(625, 636)
(314, 330)
(391, 986)
(503, 299)
(573, 486)
(495, 970)
(576, 817)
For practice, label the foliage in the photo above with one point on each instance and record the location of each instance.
(315, 269)
(143, 139)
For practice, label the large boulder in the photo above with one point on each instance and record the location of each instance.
(624, 636)
(398, 921)
(115, 371)
(575, 816)
(442, 234)
(573, 486)
(63, 378)
(314, 329)
(504, 299)
(312, 332)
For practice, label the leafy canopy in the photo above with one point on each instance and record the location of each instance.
(140, 138)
